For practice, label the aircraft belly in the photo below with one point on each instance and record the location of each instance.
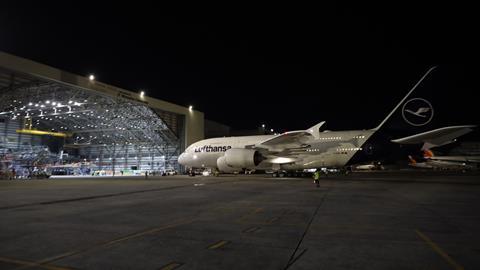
(208, 160)
(326, 160)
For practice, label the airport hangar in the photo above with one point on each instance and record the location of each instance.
(50, 118)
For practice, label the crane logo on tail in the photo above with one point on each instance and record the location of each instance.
(417, 112)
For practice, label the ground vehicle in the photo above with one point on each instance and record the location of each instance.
(169, 172)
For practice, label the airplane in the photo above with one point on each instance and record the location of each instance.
(430, 161)
(410, 123)
(368, 167)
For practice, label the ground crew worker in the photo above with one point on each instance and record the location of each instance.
(316, 178)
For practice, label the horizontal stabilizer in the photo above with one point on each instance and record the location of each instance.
(436, 137)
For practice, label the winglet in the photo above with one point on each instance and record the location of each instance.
(315, 130)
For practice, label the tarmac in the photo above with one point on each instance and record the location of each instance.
(364, 220)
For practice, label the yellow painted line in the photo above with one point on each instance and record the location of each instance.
(135, 235)
(218, 244)
(442, 253)
(256, 211)
(108, 243)
(251, 229)
(266, 223)
(30, 264)
(171, 266)
(273, 220)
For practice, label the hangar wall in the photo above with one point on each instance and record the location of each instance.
(194, 120)
(104, 127)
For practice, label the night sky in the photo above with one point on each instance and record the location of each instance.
(288, 67)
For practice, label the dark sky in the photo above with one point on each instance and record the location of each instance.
(287, 66)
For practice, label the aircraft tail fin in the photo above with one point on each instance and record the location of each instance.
(427, 153)
(418, 113)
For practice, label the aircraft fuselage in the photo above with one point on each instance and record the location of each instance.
(331, 149)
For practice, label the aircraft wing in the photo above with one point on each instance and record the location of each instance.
(288, 138)
(436, 137)
(288, 143)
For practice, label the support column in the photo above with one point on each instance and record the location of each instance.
(126, 157)
(152, 156)
(113, 159)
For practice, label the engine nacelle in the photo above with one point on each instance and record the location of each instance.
(223, 166)
(242, 158)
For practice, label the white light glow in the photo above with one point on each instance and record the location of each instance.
(91, 77)
(190, 108)
(142, 94)
(280, 160)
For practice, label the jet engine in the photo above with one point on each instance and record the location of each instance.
(242, 158)
(223, 166)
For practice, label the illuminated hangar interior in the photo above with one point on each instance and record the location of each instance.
(65, 124)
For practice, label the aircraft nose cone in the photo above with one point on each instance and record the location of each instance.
(181, 159)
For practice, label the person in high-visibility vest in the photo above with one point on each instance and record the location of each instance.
(316, 178)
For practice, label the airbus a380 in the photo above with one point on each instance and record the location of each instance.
(313, 149)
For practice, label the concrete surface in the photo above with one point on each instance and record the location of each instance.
(368, 220)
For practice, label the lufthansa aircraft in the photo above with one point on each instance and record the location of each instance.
(408, 124)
